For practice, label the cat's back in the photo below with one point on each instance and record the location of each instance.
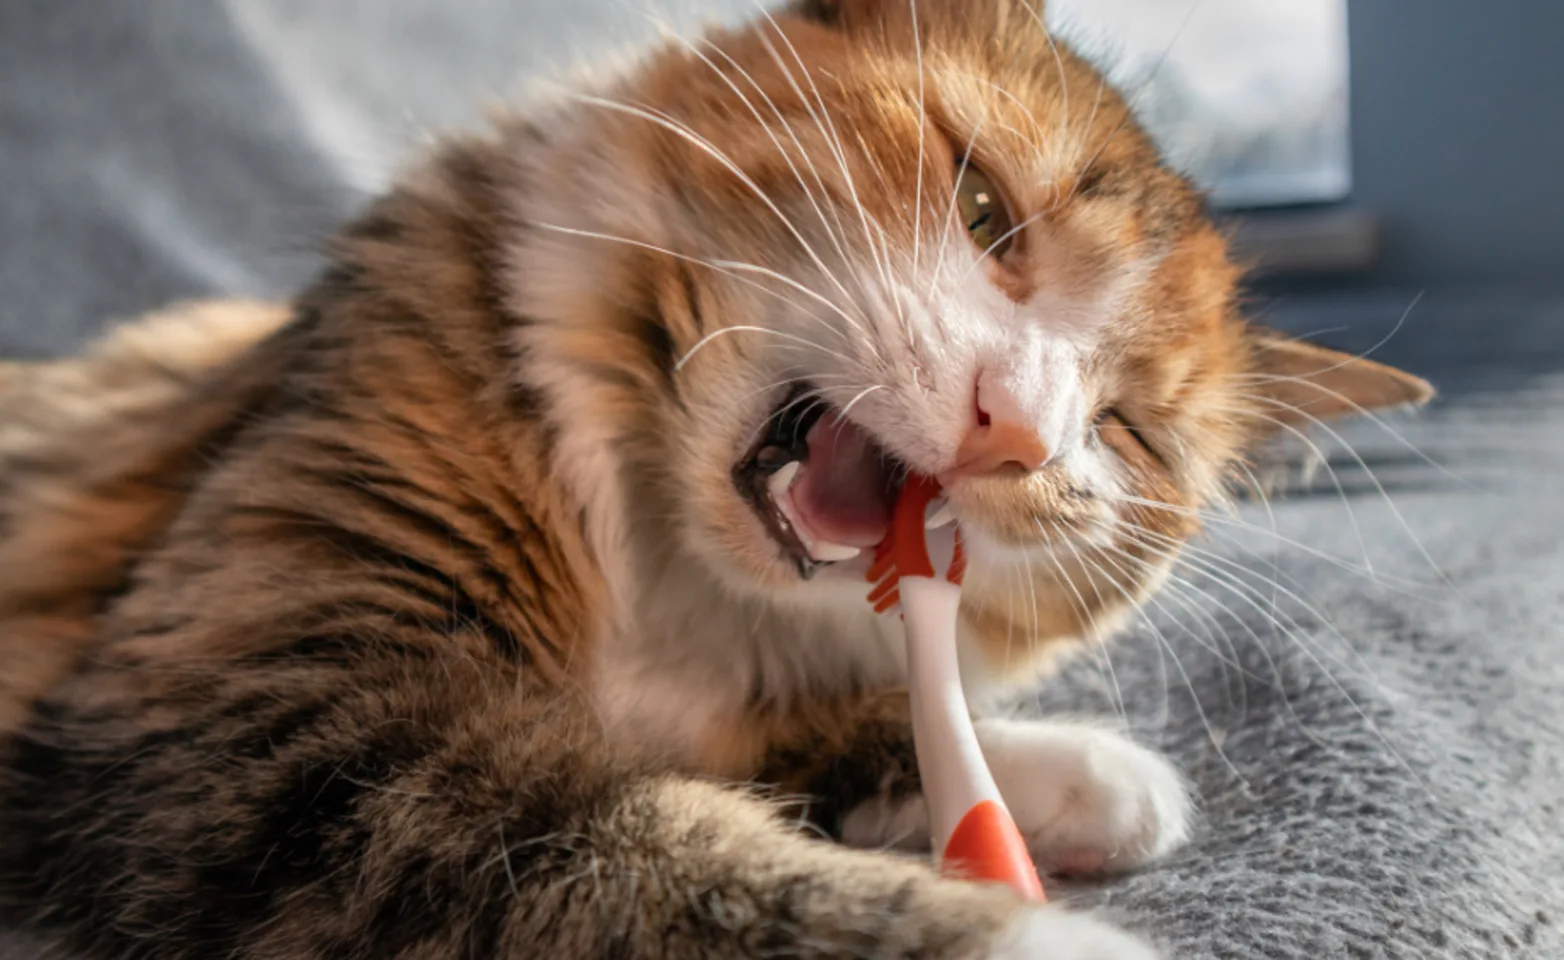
(97, 454)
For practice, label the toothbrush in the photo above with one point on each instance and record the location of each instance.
(974, 836)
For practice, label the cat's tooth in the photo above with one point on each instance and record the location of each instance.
(824, 551)
(778, 482)
(944, 515)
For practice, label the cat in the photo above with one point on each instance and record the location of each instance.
(457, 609)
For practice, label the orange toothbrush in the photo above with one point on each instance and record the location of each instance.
(921, 569)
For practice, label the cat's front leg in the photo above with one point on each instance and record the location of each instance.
(1088, 799)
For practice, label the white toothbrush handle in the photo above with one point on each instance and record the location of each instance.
(955, 776)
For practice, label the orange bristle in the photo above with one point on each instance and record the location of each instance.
(904, 552)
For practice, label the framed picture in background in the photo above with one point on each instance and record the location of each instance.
(1252, 100)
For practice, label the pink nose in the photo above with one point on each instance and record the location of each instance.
(1001, 437)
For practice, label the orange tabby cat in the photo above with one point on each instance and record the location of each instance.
(454, 611)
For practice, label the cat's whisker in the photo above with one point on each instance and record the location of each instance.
(1112, 554)
(1055, 534)
(1347, 359)
(1053, 47)
(1323, 461)
(706, 146)
(1177, 584)
(1029, 141)
(867, 391)
(832, 234)
(1011, 593)
(731, 268)
(1358, 410)
(741, 328)
(786, 381)
(840, 229)
(1313, 651)
(1176, 552)
(1228, 574)
(1270, 515)
(1091, 118)
(827, 127)
(1362, 464)
(1178, 664)
(739, 266)
(1373, 576)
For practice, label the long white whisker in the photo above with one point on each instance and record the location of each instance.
(1374, 576)
(1064, 80)
(848, 409)
(833, 234)
(1173, 588)
(731, 268)
(706, 146)
(1377, 346)
(1178, 664)
(1083, 610)
(1341, 490)
(1059, 535)
(739, 328)
(827, 127)
(1245, 593)
(1277, 683)
(1373, 478)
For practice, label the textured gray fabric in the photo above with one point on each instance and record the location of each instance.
(1380, 775)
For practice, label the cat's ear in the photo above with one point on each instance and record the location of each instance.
(1299, 383)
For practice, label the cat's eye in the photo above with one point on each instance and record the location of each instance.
(982, 210)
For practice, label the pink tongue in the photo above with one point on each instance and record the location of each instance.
(843, 493)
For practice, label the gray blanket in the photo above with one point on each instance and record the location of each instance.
(1365, 681)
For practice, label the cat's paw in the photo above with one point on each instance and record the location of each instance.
(1088, 800)
(1049, 933)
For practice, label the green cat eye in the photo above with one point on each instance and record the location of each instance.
(982, 210)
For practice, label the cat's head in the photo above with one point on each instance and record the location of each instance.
(862, 238)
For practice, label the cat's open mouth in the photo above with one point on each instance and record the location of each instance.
(822, 485)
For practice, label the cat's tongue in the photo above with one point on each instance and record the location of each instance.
(845, 491)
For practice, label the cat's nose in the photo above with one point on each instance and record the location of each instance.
(1001, 437)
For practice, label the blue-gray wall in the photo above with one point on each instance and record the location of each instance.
(1458, 138)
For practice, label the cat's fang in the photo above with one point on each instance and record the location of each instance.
(826, 552)
(779, 482)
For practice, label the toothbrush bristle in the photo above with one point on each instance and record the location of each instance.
(905, 551)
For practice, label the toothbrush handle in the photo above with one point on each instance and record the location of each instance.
(973, 832)
(987, 846)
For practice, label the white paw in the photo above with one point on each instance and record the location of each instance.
(1050, 933)
(1087, 799)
